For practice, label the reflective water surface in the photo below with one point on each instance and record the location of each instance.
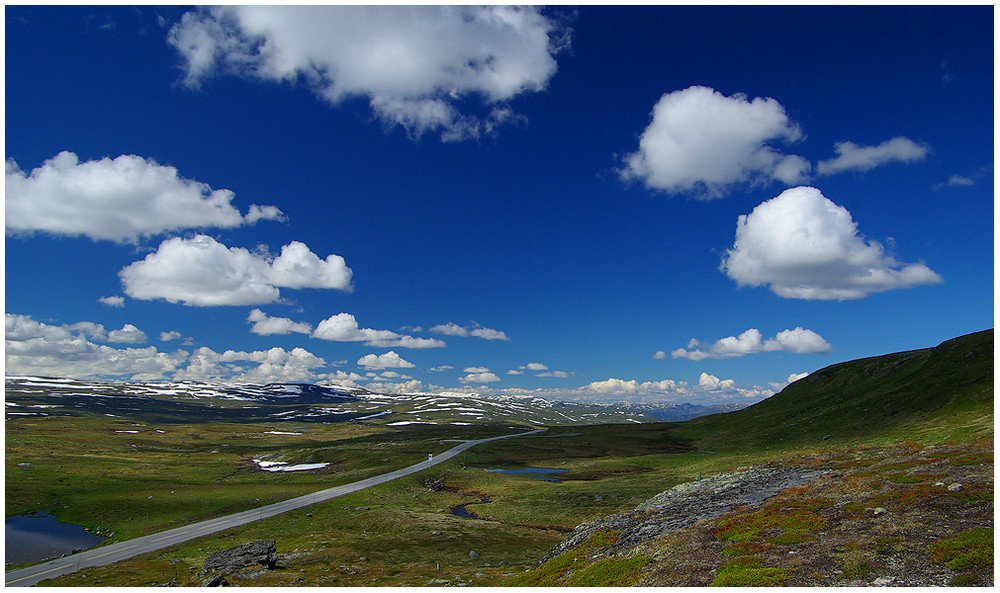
(540, 473)
(37, 537)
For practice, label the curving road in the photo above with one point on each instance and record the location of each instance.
(123, 550)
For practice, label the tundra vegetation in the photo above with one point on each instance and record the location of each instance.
(905, 441)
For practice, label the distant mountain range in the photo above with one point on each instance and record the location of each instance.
(175, 401)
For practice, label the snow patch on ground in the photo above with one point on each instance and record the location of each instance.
(282, 466)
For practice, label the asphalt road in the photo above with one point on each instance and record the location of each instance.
(109, 554)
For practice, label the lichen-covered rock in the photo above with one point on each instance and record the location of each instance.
(263, 552)
(686, 504)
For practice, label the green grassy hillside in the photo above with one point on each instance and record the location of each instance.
(935, 394)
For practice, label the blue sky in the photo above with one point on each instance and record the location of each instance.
(592, 203)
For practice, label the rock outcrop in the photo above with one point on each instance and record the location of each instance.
(253, 554)
(688, 503)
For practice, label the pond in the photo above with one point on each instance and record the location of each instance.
(37, 537)
(539, 473)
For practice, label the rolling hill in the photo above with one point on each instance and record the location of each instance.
(945, 392)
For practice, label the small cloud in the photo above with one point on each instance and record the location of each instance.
(475, 370)
(128, 334)
(659, 355)
(515, 372)
(852, 157)
(343, 327)
(791, 379)
(389, 360)
(441, 368)
(713, 383)
(264, 325)
(482, 377)
(170, 335)
(556, 374)
(453, 329)
(797, 341)
(112, 301)
(960, 180)
(535, 366)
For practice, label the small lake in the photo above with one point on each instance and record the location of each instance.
(461, 511)
(37, 537)
(539, 473)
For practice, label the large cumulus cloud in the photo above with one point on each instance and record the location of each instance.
(36, 348)
(803, 246)
(701, 141)
(119, 200)
(419, 66)
(202, 272)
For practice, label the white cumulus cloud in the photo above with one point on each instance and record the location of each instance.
(701, 141)
(798, 341)
(119, 200)
(203, 272)
(128, 334)
(420, 67)
(265, 325)
(791, 379)
(713, 383)
(389, 360)
(36, 348)
(276, 365)
(343, 327)
(851, 157)
(802, 245)
(170, 335)
(480, 377)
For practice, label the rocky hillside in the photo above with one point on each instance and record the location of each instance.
(905, 515)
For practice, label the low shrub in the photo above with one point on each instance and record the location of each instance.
(750, 527)
(791, 539)
(746, 549)
(972, 459)
(968, 550)
(553, 572)
(965, 579)
(748, 571)
(859, 571)
(611, 572)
